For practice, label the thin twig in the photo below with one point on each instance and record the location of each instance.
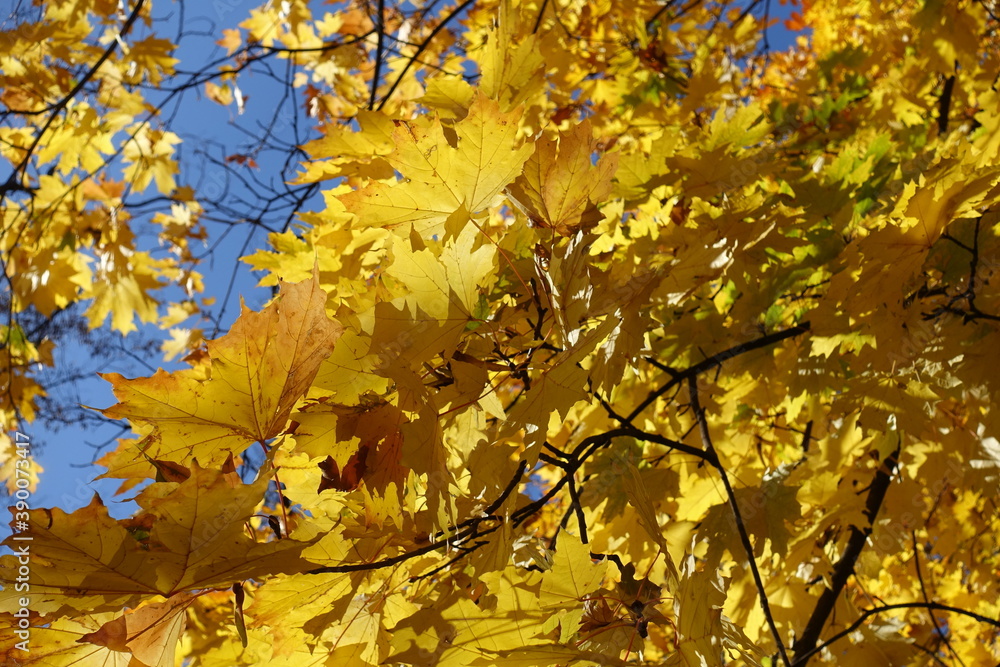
(923, 591)
(541, 14)
(420, 49)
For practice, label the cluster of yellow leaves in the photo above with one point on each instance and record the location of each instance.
(66, 235)
(707, 300)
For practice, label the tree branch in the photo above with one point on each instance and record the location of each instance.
(717, 360)
(971, 312)
(931, 606)
(942, 635)
(577, 508)
(379, 54)
(740, 526)
(806, 644)
(944, 104)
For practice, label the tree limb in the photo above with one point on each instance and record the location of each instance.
(717, 360)
(806, 644)
(931, 606)
(740, 526)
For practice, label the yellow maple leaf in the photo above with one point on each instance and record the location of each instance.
(259, 370)
(560, 187)
(220, 94)
(574, 574)
(343, 152)
(704, 634)
(447, 285)
(231, 40)
(125, 278)
(150, 633)
(149, 59)
(639, 498)
(15, 464)
(148, 155)
(511, 71)
(56, 643)
(441, 176)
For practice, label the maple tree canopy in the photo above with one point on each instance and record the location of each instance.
(603, 333)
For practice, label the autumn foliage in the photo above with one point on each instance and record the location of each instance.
(618, 336)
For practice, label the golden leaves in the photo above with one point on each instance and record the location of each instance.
(149, 633)
(149, 60)
(531, 246)
(14, 459)
(511, 72)
(149, 155)
(189, 535)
